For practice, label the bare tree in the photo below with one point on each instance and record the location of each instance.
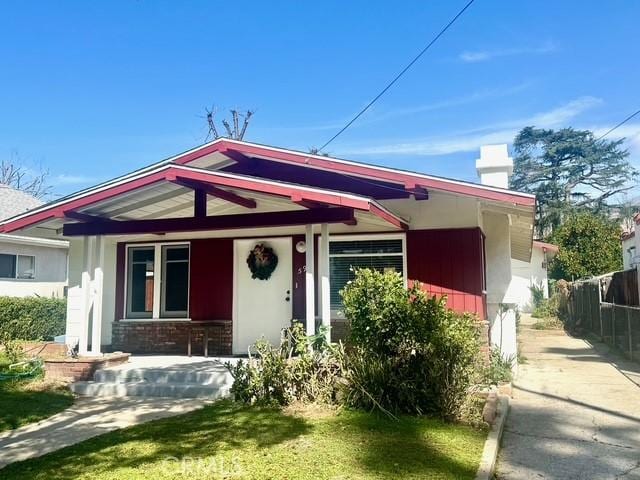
(233, 129)
(16, 175)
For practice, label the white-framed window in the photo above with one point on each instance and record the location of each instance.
(157, 281)
(384, 252)
(17, 266)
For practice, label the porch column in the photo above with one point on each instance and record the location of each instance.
(87, 258)
(98, 281)
(310, 282)
(325, 297)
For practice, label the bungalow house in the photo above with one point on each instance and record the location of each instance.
(236, 239)
(630, 257)
(29, 266)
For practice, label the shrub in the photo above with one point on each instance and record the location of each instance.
(301, 368)
(32, 318)
(499, 370)
(12, 350)
(537, 294)
(547, 308)
(407, 352)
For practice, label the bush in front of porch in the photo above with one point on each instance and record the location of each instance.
(406, 354)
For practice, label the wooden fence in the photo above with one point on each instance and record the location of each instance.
(616, 324)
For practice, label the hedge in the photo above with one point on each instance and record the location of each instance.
(32, 318)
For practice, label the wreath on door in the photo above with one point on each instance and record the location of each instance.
(262, 261)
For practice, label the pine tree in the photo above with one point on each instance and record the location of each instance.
(568, 169)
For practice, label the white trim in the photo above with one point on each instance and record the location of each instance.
(325, 281)
(40, 242)
(163, 272)
(335, 313)
(157, 278)
(309, 286)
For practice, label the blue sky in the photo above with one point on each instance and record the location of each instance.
(92, 90)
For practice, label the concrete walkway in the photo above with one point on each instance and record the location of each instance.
(575, 412)
(87, 418)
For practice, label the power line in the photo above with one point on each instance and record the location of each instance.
(618, 125)
(397, 77)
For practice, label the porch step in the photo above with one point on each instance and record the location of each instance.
(178, 377)
(218, 377)
(149, 389)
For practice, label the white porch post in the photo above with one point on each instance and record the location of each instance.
(98, 281)
(310, 282)
(325, 297)
(87, 258)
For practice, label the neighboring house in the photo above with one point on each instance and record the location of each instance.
(529, 274)
(630, 252)
(163, 250)
(29, 265)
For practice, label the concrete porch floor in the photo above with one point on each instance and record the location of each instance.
(177, 362)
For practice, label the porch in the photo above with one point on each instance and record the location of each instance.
(162, 268)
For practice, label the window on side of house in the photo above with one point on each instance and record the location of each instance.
(157, 281)
(26, 267)
(7, 265)
(383, 254)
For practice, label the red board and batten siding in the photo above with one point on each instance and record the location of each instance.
(449, 262)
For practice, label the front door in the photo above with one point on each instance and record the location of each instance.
(262, 307)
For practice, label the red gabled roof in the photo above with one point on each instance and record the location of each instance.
(408, 180)
(172, 171)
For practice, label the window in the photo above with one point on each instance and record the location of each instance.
(384, 254)
(17, 266)
(140, 282)
(158, 281)
(7, 266)
(175, 280)
(26, 266)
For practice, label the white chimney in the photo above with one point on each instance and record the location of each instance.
(494, 166)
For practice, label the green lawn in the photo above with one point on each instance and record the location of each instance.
(27, 401)
(226, 440)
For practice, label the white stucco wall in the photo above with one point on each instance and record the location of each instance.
(499, 278)
(524, 276)
(50, 271)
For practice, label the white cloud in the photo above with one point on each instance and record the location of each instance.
(470, 140)
(374, 115)
(64, 179)
(486, 55)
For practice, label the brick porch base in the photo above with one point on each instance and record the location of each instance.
(168, 337)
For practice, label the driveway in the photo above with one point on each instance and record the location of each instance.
(575, 412)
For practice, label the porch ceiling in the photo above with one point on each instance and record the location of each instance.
(171, 192)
